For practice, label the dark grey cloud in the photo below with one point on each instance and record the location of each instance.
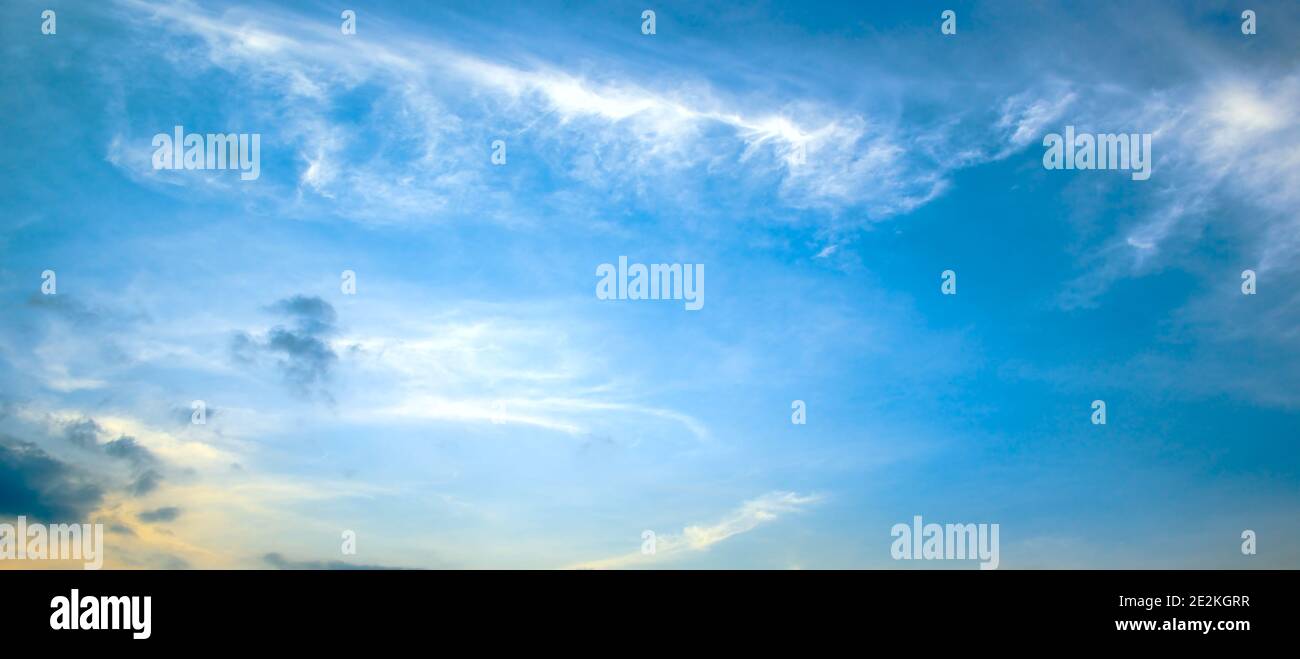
(42, 486)
(83, 433)
(145, 482)
(281, 563)
(127, 448)
(167, 514)
(37, 485)
(145, 472)
(312, 314)
(306, 361)
(298, 349)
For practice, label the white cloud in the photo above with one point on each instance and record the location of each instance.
(1223, 149)
(510, 368)
(1028, 116)
(447, 104)
(701, 537)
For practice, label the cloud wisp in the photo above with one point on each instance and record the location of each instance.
(701, 537)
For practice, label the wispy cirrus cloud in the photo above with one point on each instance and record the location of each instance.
(502, 367)
(701, 537)
(605, 134)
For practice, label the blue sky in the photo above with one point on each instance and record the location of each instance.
(475, 283)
